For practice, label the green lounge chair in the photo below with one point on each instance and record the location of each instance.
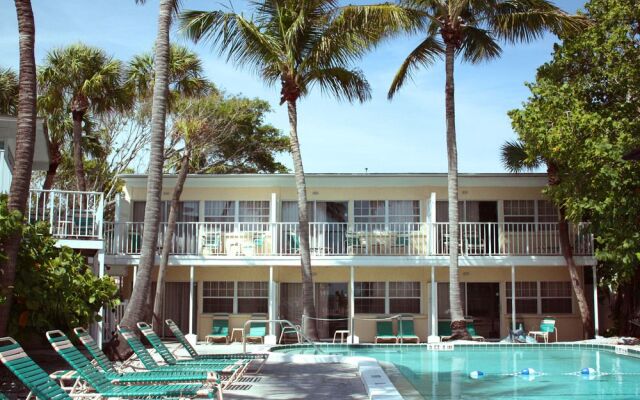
(384, 332)
(444, 330)
(257, 330)
(231, 368)
(219, 330)
(472, 332)
(547, 325)
(406, 331)
(175, 329)
(29, 373)
(199, 382)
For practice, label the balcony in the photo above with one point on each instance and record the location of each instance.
(217, 240)
(72, 216)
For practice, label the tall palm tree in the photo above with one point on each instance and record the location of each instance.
(80, 79)
(301, 43)
(472, 30)
(23, 157)
(8, 91)
(136, 308)
(516, 158)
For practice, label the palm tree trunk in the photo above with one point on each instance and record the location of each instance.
(78, 160)
(158, 303)
(458, 325)
(25, 144)
(308, 306)
(576, 283)
(137, 304)
(56, 157)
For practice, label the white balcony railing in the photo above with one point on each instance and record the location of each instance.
(339, 239)
(70, 215)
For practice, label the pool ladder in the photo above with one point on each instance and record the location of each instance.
(281, 321)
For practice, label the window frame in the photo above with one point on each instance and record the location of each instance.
(233, 297)
(539, 298)
(386, 219)
(236, 296)
(416, 285)
(386, 285)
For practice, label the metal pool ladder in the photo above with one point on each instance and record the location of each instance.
(282, 321)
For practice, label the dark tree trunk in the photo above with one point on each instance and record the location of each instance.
(168, 239)
(56, 158)
(458, 324)
(308, 306)
(137, 304)
(25, 144)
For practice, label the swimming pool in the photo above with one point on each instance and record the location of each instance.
(557, 370)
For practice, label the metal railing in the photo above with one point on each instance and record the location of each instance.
(328, 239)
(280, 321)
(70, 214)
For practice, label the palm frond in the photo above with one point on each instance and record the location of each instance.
(515, 157)
(478, 45)
(527, 20)
(8, 91)
(425, 54)
(350, 85)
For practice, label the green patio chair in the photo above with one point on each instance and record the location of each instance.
(28, 372)
(547, 325)
(89, 372)
(294, 243)
(472, 332)
(231, 368)
(384, 332)
(444, 329)
(257, 330)
(175, 329)
(406, 331)
(219, 329)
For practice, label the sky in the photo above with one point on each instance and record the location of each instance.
(379, 136)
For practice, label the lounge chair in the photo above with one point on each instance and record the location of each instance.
(445, 333)
(472, 332)
(28, 372)
(107, 387)
(406, 331)
(231, 368)
(257, 330)
(384, 332)
(219, 329)
(547, 326)
(194, 354)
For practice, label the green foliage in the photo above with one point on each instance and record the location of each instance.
(583, 115)
(54, 288)
(8, 91)
(9, 223)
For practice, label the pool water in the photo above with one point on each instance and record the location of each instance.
(446, 374)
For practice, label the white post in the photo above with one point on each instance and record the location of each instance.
(433, 337)
(513, 298)
(352, 338)
(273, 218)
(191, 337)
(101, 312)
(431, 218)
(271, 337)
(596, 323)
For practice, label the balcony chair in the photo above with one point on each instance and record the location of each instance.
(212, 243)
(293, 243)
(548, 325)
(356, 243)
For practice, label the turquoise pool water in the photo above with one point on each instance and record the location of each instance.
(445, 374)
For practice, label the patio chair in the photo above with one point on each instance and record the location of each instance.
(259, 240)
(548, 325)
(289, 334)
(293, 242)
(257, 330)
(384, 331)
(28, 372)
(106, 387)
(472, 332)
(400, 243)
(219, 329)
(406, 331)
(212, 242)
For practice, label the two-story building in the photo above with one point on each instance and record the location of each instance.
(379, 245)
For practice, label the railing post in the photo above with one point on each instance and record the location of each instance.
(100, 216)
(50, 211)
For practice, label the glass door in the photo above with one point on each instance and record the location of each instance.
(332, 303)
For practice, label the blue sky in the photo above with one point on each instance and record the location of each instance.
(405, 135)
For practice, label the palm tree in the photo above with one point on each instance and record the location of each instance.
(136, 308)
(80, 79)
(23, 158)
(517, 158)
(471, 30)
(300, 44)
(8, 91)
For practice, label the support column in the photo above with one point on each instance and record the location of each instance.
(433, 336)
(513, 298)
(596, 322)
(191, 337)
(271, 337)
(99, 326)
(352, 338)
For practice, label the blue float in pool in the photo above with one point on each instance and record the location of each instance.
(476, 374)
(588, 371)
(528, 371)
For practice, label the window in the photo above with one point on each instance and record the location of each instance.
(253, 297)
(188, 211)
(519, 211)
(404, 297)
(526, 297)
(541, 297)
(547, 215)
(404, 211)
(555, 297)
(253, 211)
(217, 297)
(369, 212)
(219, 211)
(396, 213)
(369, 297)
